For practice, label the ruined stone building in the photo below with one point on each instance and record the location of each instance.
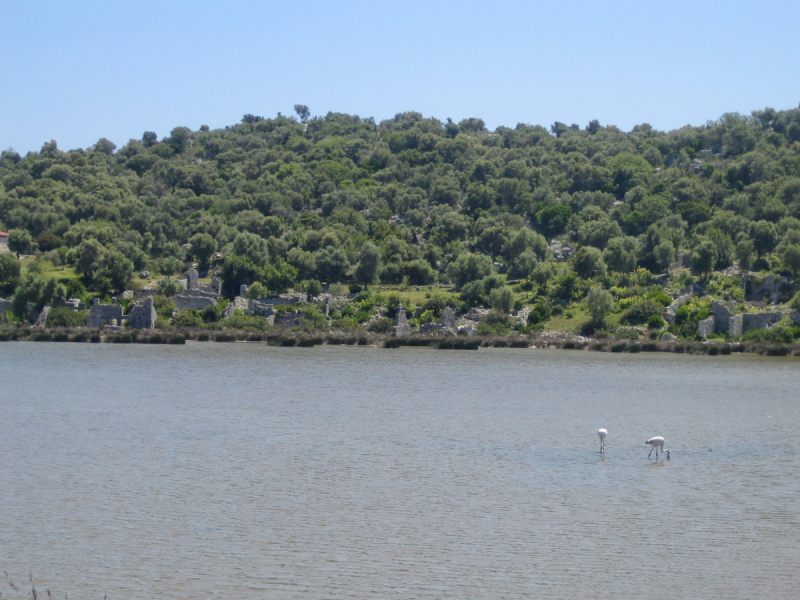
(142, 315)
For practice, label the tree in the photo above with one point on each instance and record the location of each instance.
(525, 264)
(105, 146)
(704, 258)
(257, 290)
(19, 241)
(168, 287)
(9, 274)
(149, 138)
(38, 291)
(238, 271)
(791, 259)
(600, 303)
(332, 264)
(302, 112)
(252, 246)
(369, 264)
(664, 254)
(588, 262)
(764, 236)
(88, 257)
(502, 299)
(553, 219)
(303, 261)
(202, 246)
(419, 272)
(115, 272)
(620, 254)
(526, 240)
(313, 289)
(745, 252)
(469, 267)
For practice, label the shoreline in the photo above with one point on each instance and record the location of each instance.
(178, 336)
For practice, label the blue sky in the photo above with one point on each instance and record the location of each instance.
(81, 70)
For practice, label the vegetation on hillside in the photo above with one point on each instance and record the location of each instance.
(291, 201)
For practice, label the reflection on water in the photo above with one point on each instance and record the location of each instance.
(247, 471)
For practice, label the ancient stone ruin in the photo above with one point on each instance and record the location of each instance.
(197, 296)
(142, 315)
(771, 288)
(401, 326)
(723, 320)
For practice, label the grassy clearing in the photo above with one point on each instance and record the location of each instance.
(413, 295)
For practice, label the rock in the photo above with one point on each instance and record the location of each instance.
(669, 337)
(466, 330)
(243, 291)
(144, 275)
(401, 326)
(499, 267)
(478, 314)
(127, 294)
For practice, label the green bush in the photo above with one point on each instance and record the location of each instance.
(539, 314)
(66, 317)
(382, 325)
(187, 318)
(642, 311)
(655, 322)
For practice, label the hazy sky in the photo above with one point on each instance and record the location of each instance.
(80, 70)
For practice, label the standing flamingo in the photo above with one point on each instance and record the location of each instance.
(602, 433)
(656, 443)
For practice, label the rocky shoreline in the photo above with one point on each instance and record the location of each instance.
(178, 336)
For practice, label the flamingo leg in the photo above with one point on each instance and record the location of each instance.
(651, 451)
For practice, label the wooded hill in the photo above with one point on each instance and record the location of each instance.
(412, 199)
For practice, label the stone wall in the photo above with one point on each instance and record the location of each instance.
(705, 327)
(771, 288)
(752, 321)
(101, 315)
(669, 314)
(5, 306)
(401, 326)
(143, 315)
(72, 303)
(194, 301)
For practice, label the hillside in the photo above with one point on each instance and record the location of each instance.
(414, 201)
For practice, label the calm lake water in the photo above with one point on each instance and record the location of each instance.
(244, 471)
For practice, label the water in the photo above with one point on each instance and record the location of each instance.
(233, 470)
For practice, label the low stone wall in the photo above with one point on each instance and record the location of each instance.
(752, 321)
(195, 302)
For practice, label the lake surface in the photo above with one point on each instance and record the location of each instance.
(245, 471)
